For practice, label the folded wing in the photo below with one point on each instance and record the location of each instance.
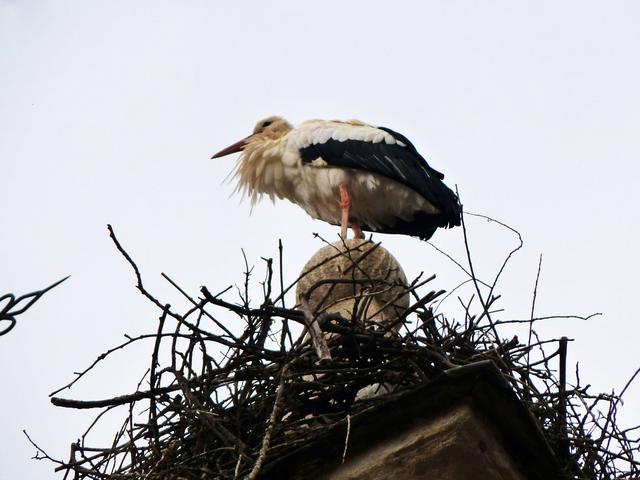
(392, 155)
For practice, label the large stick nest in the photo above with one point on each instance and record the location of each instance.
(219, 404)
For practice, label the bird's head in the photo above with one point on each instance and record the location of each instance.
(269, 128)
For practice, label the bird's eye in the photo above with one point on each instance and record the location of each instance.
(266, 124)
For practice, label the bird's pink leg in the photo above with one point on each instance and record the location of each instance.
(357, 231)
(345, 204)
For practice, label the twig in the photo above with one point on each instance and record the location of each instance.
(266, 440)
(319, 343)
(346, 439)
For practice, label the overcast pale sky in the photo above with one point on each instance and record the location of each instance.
(109, 112)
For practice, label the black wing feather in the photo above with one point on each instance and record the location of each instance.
(401, 163)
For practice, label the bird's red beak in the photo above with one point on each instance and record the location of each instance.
(236, 147)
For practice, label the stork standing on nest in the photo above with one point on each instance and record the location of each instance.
(346, 173)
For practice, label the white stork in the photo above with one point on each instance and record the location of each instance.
(346, 173)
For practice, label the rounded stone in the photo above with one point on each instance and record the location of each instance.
(357, 279)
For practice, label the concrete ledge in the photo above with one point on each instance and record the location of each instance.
(467, 424)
